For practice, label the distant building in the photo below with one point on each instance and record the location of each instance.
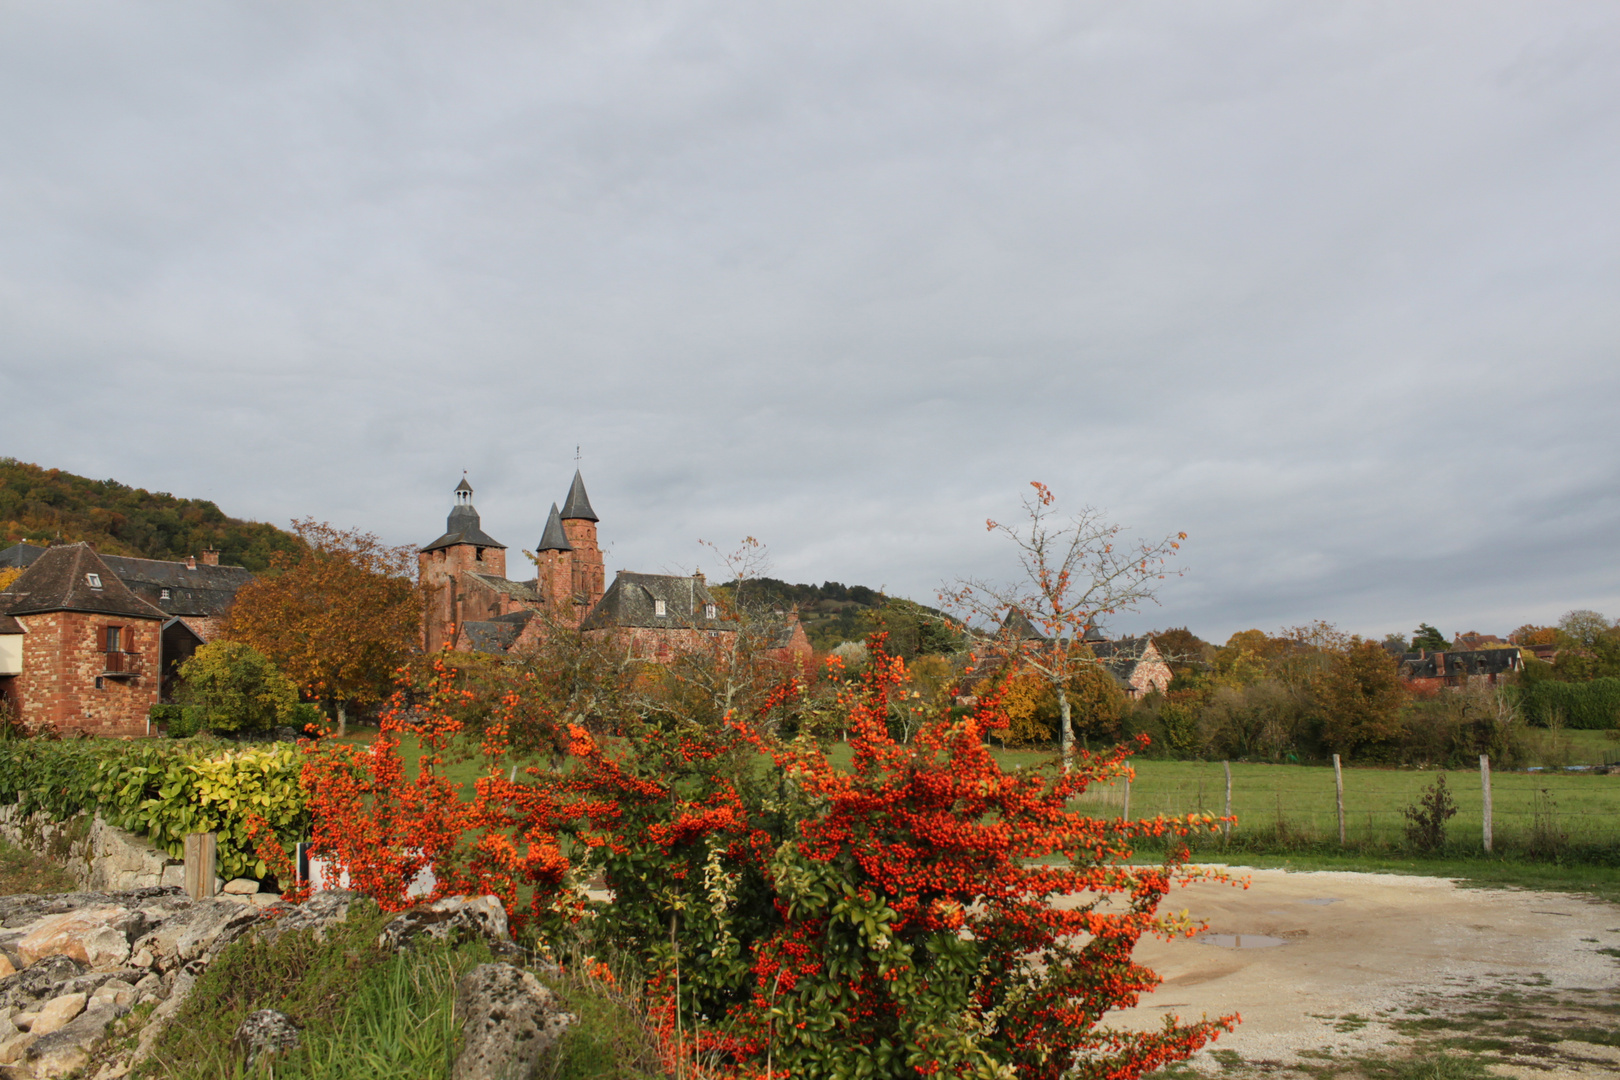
(1135, 663)
(1433, 670)
(89, 642)
(472, 606)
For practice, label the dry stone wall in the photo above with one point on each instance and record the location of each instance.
(101, 858)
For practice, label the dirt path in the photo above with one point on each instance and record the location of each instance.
(1365, 964)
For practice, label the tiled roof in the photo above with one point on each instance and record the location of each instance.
(72, 577)
(496, 635)
(632, 601)
(522, 590)
(19, 555)
(204, 590)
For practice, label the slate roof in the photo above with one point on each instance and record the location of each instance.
(8, 625)
(58, 581)
(203, 591)
(577, 506)
(20, 555)
(1445, 664)
(463, 527)
(629, 602)
(1018, 627)
(522, 590)
(496, 635)
(554, 538)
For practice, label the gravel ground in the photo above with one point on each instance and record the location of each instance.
(1375, 964)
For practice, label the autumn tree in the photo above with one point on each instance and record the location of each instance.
(1360, 695)
(1427, 638)
(337, 618)
(1076, 573)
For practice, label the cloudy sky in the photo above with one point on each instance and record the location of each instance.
(1334, 288)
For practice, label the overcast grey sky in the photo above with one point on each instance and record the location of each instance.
(1334, 288)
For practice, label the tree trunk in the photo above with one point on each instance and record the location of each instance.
(343, 719)
(1065, 729)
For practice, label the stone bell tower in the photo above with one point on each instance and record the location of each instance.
(464, 548)
(579, 525)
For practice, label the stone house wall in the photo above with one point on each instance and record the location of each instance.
(64, 657)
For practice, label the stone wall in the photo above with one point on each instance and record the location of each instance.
(100, 857)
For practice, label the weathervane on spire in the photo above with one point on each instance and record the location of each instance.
(576, 453)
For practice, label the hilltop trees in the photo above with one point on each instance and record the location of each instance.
(1077, 572)
(338, 618)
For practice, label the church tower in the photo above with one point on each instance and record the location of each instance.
(554, 557)
(464, 548)
(579, 525)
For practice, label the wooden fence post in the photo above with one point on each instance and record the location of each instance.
(202, 855)
(1485, 790)
(1226, 826)
(1338, 790)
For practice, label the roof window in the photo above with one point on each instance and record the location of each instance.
(163, 594)
(660, 608)
(93, 580)
(708, 611)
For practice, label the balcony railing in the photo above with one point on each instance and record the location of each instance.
(122, 663)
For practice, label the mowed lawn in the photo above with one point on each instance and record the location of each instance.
(1298, 800)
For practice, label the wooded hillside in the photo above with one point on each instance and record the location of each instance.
(48, 506)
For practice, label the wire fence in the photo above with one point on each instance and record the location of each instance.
(1300, 803)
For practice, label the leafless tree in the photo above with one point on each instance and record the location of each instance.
(1077, 571)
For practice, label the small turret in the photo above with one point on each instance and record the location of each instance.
(554, 538)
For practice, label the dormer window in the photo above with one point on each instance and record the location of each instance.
(93, 580)
(708, 611)
(163, 594)
(660, 608)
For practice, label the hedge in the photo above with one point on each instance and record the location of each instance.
(1589, 706)
(162, 792)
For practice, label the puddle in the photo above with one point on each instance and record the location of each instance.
(1240, 941)
(1320, 900)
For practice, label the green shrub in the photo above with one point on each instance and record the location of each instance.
(1587, 706)
(235, 687)
(163, 791)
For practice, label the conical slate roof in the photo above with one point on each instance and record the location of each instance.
(1018, 627)
(577, 507)
(464, 486)
(554, 538)
(72, 577)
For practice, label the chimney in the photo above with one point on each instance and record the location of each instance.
(210, 556)
(191, 562)
(697, 575)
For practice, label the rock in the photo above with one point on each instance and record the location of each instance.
(114, 992)
(6, 966)
(265, 1032)
(265, 899)
(324, 909)
(240, 887)
(55, 1013)
(197, 931)
(509, 1023)
(97, 935)
(454, 916)
(142, 958)
(67, 1049)
(13, 1049)
(39, 982)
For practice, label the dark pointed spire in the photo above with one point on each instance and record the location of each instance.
(554, 539)
(577, 507)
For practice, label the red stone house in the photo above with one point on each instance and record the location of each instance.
(78, 649)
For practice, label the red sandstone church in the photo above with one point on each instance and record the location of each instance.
(471, 605)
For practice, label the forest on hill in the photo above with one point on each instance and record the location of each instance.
(46, 506)
(833, 613)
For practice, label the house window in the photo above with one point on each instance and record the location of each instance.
(93, 580)
(708, 611)
(115, 635)
(659, 608)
